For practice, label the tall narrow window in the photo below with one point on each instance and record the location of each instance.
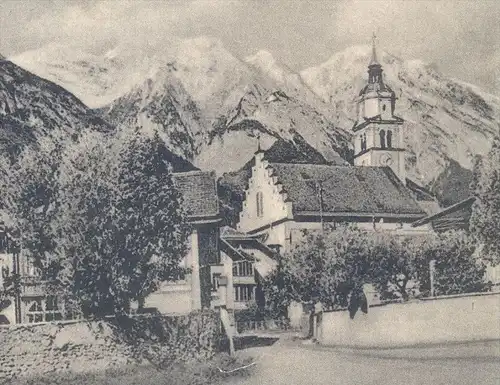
(363, 142)
(243, 293)
(382, 138)
(389, 139)
(260, 205)
(216, 281)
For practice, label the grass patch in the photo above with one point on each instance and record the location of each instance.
(177, 373)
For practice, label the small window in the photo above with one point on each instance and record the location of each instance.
(382, 138)
(363, 142)
(260, 204)
(383, 107)
(44, 310)
(215, 281)
(389, 139)
(243, 293)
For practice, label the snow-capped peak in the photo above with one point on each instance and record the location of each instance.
(261, 57)
(201, 44)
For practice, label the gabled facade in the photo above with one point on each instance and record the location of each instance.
(284, 199)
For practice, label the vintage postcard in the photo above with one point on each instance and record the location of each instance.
(247, 192)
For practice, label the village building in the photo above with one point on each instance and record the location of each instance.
(245, 260)
(190, 292)
(9, 265)
(283, 199)
(194, 290)
(457, 218)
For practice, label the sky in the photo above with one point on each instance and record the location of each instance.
(461, 37)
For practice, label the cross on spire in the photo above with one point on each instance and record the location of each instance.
(374, 60)
(259, 149)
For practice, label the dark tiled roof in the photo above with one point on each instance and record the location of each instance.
(199, 192)
(455, 217)
(420, 193)
(346, 189)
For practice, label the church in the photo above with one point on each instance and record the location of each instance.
(283, 199)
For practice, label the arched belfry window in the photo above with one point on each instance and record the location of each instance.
(260, 204)
(389, 139)
(382, 138)
(363, 142)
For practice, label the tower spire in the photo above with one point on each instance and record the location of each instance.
(374, 60)
(259, 148)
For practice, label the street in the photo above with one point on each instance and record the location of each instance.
(290, 363)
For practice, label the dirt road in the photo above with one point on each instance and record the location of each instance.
(297, 364)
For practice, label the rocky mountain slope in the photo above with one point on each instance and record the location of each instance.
(31, 108)
(446, 120)
(211, 105)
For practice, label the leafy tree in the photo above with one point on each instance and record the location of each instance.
(30, 188)
(326, 269)
(457, 267)
(119, 226)
(332, 269)
(485, 220)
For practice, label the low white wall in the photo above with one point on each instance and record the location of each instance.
(171, 299)
(444, 319)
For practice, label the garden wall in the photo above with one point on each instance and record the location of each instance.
(38, 349)
(438, 320)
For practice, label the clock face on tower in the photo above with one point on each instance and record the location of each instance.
(385, 159)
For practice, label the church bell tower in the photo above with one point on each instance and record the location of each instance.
(378, 133)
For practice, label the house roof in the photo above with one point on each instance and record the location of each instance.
(345, 190)
(454, 217)
(199, 192)
(420, 193)
(229, 233)
(241, 246)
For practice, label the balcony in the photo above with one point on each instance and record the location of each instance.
(243, 273)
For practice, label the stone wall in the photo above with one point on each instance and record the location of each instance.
(38, 349)
(451, 319)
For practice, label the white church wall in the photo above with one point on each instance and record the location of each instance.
(371, 107)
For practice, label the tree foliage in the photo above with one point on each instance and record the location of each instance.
(457, 267)
(334, 267)
(322, 269)
(111, 225)
(30, 188)
(485, 220)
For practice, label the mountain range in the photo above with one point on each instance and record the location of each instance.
(32, 108)
(214, 108)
